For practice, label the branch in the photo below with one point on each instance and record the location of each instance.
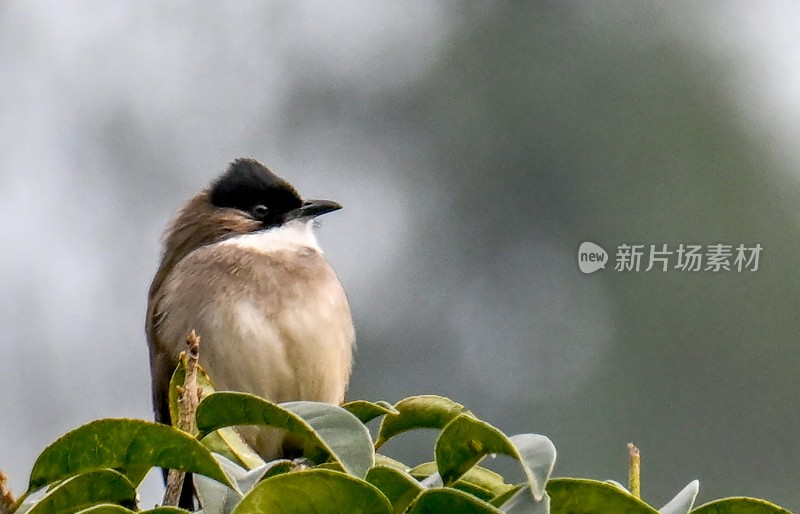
(187, 407)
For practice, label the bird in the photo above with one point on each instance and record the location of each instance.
(242, 267)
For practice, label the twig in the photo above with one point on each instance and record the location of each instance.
(6, 498)
(634, 471)
(187, 407)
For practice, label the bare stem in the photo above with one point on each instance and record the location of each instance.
(187, 407)
(634, 471)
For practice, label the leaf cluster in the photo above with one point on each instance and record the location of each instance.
(97, 467)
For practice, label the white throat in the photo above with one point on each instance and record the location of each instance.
(292, 235)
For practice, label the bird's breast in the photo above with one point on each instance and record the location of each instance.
(273, 318)
(286, 333)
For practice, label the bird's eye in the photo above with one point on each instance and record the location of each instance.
(259, 212)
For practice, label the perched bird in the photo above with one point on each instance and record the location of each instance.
(241, 266)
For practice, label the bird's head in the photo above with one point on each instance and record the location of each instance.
(261, 199)
(246, 198)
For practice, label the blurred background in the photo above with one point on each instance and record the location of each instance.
(474, 145)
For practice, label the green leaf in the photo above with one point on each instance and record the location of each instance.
(478, 481)
(108, 508)
(225, 441)
(580, 496)
(367, 411)
(317, 490)
(740, 505)
(320, 426)
(474, 489)
(466, 440)
(383, 460)
(82, 491)
(332, 465)
(116, 509)
(123, 445)
(522, 502)
(278, 467)
(400, 487)
(414, 412)
(424, 470)
(501, 499)
(487, 479)
(436, 501)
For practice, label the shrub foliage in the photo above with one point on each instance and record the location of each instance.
(97, 467)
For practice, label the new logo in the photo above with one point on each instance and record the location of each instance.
(591, 257)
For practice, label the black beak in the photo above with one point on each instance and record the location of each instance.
(311, 209)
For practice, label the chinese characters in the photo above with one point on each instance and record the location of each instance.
(687, 257)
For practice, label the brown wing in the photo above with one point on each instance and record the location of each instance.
(161, 365)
